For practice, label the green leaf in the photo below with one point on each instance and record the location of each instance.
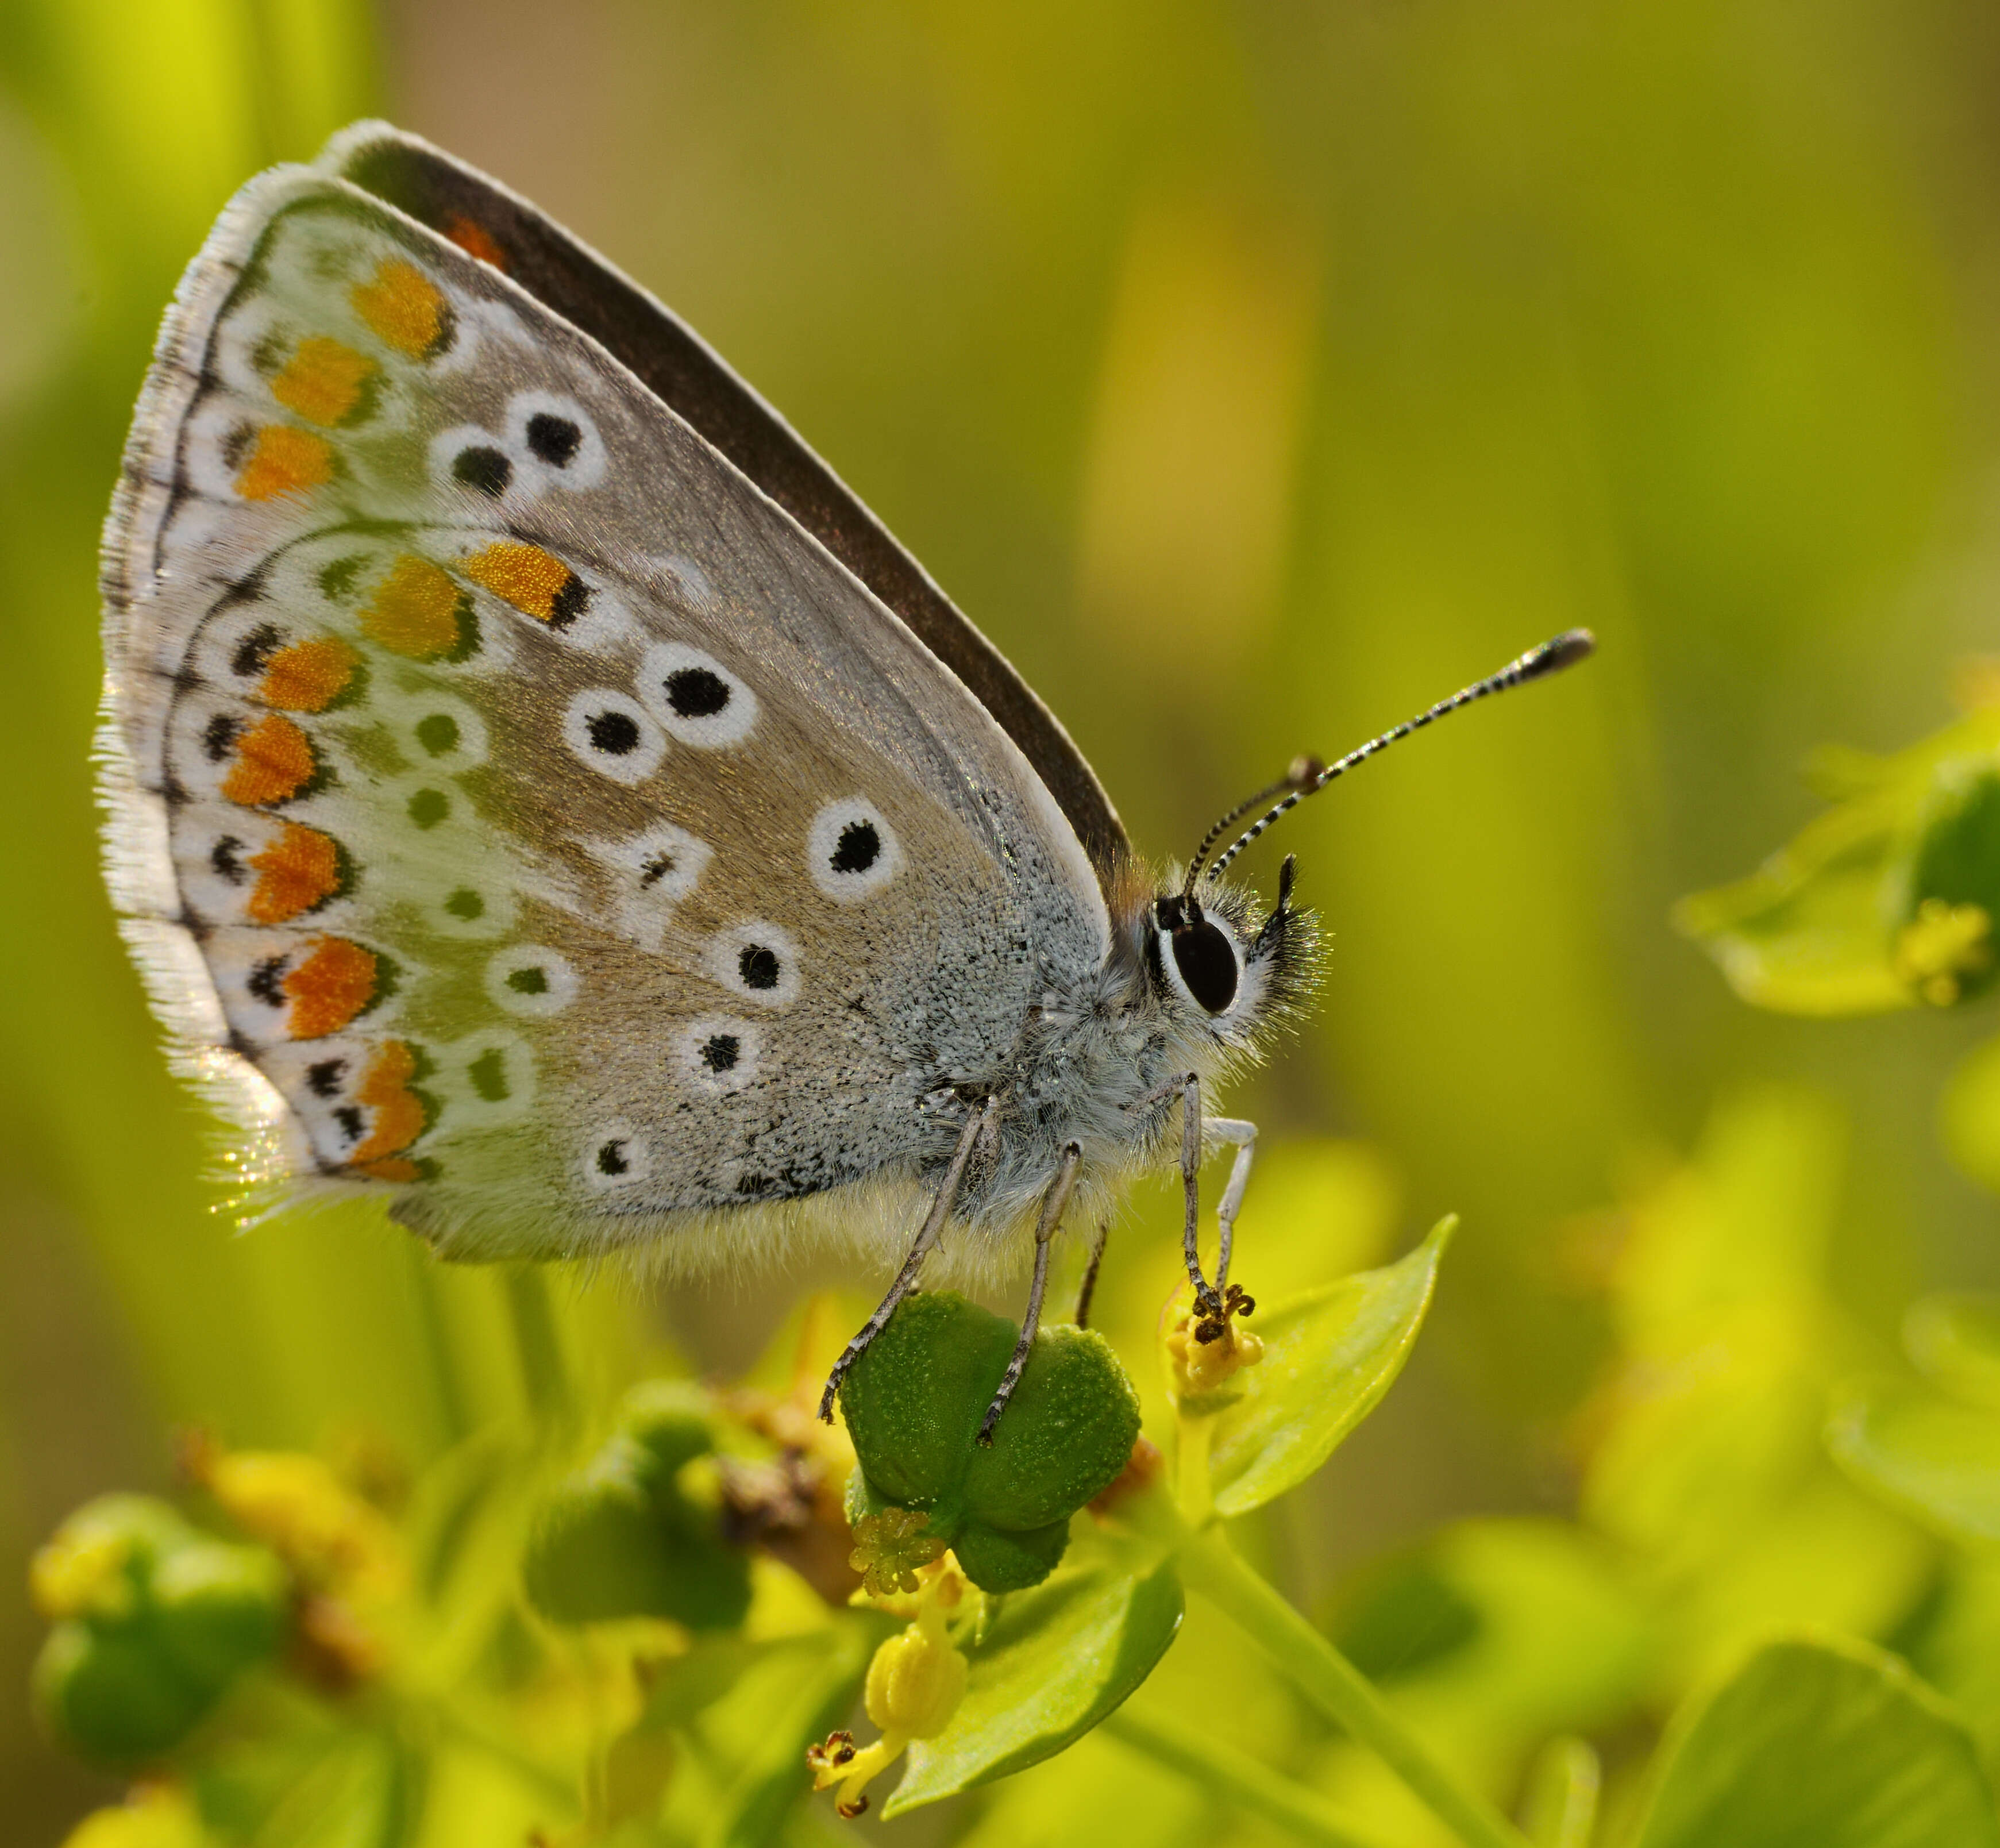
(1820, 1744)
(1053, 1663)
(1933, 1458)
(1956, 1340)
(1329, 1356)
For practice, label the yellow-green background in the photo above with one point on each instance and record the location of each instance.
(1254, 373)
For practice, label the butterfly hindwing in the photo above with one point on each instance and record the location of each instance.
(515, 805)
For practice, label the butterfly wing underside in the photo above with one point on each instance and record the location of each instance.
(517, 811)
(685, 373)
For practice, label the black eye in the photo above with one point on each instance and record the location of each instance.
(555, 440)
(1206, 959)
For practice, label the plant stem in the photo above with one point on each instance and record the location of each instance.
(1222, 1770)
(1338, 1688)
(538, 1345)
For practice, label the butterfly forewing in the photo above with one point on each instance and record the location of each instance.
(561, 834)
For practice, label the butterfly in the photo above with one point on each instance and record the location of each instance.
(541, 795)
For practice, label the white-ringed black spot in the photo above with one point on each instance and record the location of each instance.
(697, 693)
(859, 848)
(757, 959)
(694, 696)
(612, 734)
(720, 1051)
(487, 1074)
(554, 439)
(616, 734)
(851, 852)
(465, 903)
(352, 1122)
(655, 868)
(438, 733)
(616, 1155)
(533, 980)
(323, 1076)
(266, 981)
(480, 467)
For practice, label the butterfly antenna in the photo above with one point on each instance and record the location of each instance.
(1304, 770)
(1563, 651)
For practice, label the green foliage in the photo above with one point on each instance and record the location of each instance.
(913, 1403)
(1813, 1745)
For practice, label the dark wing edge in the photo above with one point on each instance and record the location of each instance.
(458, 202)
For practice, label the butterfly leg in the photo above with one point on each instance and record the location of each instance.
(1207, 1302)
(1231, 1132)
(1087, 1288)
(975, 1129)
(1053, 1203)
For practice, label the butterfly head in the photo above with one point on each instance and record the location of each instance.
(1211, 959)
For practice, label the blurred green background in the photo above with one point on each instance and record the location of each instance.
(1254, 373)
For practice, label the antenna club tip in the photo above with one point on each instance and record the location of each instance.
(1305, 769)
(1559, 651)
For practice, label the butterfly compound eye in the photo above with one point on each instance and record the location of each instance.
(1206, 961)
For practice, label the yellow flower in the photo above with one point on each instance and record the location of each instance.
(1206, 1350)
(331, 1538)
(155, 1816)
(1941, 946)
(915, 1686)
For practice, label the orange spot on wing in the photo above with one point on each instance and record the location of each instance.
(298, 870)
(309, 676)
(323, 381)
(284, 461)
(274, 761)
(416, 611)
(396, 1168)
(336, 981)
(404, 309)
(475, 240)
(400, 1116)
(535, 582)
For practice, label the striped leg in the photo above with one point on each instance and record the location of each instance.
(906, 1278)
(1053, 1203)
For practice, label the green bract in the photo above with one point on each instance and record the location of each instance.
(1055, 1661)
(624, 1537)
(1329, 1356)
(155, 1619)
(913, 1404)
(1885, 900)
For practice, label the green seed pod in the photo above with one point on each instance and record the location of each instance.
(154, 1620)
(221, 1608)
(116, 1695)
(914, 1402)
(621, 1537)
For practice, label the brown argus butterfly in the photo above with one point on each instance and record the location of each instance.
(542, 795)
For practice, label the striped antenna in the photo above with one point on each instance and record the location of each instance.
(1561, 651)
